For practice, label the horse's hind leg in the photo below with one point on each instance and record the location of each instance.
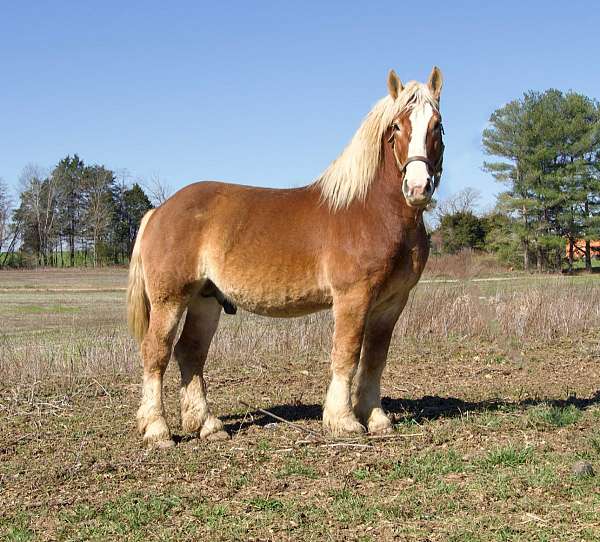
(190, 352)
(156, 351)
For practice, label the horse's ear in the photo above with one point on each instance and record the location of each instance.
(435, 82)
(395, 86)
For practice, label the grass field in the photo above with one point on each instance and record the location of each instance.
(493, 387)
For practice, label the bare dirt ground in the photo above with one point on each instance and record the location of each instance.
(494, 391)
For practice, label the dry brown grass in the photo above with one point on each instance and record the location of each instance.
(526, 309)
(463, 265)
(82, 334)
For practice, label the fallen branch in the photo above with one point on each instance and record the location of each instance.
(335, 444)
(283, 420)
(16, 441)
(340, 441)
(393, 436)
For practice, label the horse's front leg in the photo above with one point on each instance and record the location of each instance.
(350, 312)
(367, 396)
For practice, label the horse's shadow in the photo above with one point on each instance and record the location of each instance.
(426, 408)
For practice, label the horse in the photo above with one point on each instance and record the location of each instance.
(352, 241)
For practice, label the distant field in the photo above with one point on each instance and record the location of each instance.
(100, 278)
(493, 388)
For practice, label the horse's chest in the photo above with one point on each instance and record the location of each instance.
(405, 269)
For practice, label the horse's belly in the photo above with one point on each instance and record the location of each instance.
(272, 295)
(284, 311)
(278, 302)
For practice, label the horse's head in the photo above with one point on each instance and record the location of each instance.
(416, 140)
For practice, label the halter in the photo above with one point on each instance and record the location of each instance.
(434, 170)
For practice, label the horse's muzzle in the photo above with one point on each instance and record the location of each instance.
(418, 196)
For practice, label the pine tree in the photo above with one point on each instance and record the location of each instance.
(506, 138)
(68, 176)
(550, 145)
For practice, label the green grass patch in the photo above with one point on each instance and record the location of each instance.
(594, 442)
(553, 416)
(212, 516)
(266, 505)
(428, 465)
(127, 515)
(508, 456)
(361, 474)
(542, 476)
(488, 419)
(238, 482)
(293, 467)
(16, 529)
(349, 507)
(263, 445)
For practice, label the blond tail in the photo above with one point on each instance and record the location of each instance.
(138, 306)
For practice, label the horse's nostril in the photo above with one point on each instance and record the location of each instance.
(428, 186)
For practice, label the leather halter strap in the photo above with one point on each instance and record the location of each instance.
(416, 159)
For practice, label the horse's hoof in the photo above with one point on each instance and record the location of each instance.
(344, 427)
(383, 430)
(380, 424)
(191, 421)
(211, 428)
(219, 435)
(162, 444)
(157, 434)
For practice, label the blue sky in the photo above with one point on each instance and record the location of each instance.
(267, 93)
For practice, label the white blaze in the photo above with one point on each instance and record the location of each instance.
(416, 172)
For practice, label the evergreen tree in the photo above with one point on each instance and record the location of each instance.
(129, 205)
(505, 138)
(549, 142)
(69, 178)
(461, 230)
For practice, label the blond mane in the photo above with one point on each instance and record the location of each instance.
(349, 176)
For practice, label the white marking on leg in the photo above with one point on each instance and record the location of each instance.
(338, 395)
(367, 400)
(338, 416)
(151, 421)
(194, 408)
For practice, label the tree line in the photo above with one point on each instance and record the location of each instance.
(545, 148)
(78, 214)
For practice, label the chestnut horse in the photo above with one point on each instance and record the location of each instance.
(353, 241)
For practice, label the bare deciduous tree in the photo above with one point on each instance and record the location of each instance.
(98, 204)
(5, 211)
(464, 201)
(158, 189)
(38, 203)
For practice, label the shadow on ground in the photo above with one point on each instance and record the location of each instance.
(418, 410)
